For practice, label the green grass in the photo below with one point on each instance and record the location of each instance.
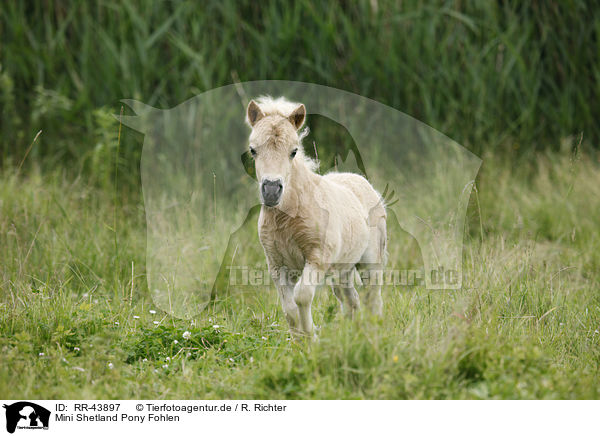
(525, 325)
(505, 79)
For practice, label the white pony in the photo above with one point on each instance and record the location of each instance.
(311, 224)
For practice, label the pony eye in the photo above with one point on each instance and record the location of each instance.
(293, 153)
(252, 152)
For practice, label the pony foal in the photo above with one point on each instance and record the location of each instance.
(311, 224)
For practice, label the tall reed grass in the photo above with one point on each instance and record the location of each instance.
(506, 75)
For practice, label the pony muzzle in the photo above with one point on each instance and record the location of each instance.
(271, 191)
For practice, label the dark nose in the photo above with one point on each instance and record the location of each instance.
(271, 191)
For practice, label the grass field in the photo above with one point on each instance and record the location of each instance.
(514, 82)
(76, 319)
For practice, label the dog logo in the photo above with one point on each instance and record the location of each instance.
(26, 415)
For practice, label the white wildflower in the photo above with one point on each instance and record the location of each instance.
(186, 335)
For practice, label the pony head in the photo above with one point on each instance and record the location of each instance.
(275, 144)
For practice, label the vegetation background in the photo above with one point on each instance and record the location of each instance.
(518, 83)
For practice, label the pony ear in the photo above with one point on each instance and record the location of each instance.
(253, 114)
(298, 116)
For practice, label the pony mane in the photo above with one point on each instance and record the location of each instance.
(276, 106)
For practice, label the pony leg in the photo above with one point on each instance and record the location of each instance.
(348, 299)
(304, 292)
(339, 295)
(373, 261)
(285, 288)
(372, 285)
(352, 298)
(290, 309)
